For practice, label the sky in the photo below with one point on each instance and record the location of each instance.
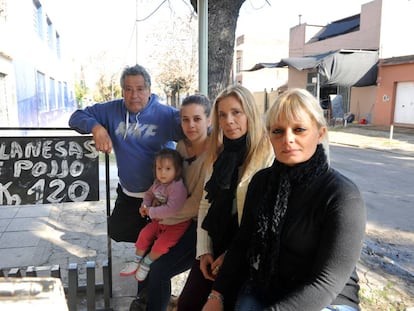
(278, 17)
(88, 26)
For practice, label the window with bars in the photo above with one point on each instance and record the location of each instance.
(52, 94)
(239, 61)
(58, 47)
(65, 95)
(50, 34)
(41, 91)
(38, 23)
(60, 94)
(3, 99)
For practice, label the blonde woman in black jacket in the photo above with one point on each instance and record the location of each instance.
(303, 223)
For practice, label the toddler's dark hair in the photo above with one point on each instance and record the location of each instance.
(174, 156)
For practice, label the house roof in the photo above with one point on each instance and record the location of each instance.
(406, 59)
(340, 67)
(339, 27)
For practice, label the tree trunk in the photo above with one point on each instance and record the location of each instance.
(222, 22)
(174, 98)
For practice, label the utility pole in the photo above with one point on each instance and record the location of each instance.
(136, 31)
(202, 8)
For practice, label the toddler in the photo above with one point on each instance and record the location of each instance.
(162, 200)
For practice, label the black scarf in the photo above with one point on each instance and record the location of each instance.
(265, 245)
(220, 221)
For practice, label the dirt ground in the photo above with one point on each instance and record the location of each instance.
(385, 283)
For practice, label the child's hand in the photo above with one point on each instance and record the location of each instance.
(144, 210)
(155, 202)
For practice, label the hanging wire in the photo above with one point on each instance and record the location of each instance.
(261, 6)
(152, 13)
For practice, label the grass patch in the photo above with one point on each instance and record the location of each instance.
(386, 298)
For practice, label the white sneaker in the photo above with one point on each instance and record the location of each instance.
(142, 272)
(129, 269)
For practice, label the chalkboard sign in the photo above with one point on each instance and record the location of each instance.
(42, 170)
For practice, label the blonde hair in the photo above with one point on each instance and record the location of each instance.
(295, 104)
(257, 140)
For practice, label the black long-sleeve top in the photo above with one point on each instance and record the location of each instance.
(321, 241)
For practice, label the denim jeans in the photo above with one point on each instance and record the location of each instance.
(251, 300)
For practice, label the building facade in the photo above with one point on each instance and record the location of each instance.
(249, 48)
(35, 82)
(394, 102)
(377, 29)
(360, 65)
(264, 84)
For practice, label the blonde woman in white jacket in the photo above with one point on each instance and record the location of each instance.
(239, 148)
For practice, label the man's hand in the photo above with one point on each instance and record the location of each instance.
(102, 140)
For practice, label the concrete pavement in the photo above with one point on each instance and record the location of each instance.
(45, 235)
(397, 140)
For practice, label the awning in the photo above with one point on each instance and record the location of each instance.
(340, 67)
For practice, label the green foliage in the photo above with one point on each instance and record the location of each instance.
(107, 88)
(80, 91)
(176, 85)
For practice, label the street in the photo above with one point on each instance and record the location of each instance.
(386, 181)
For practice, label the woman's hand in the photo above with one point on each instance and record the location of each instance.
(206, 262)
(215, 267)
(102, 140)
(210, 267)
(214, 302)
(213, 305)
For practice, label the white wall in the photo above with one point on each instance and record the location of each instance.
(258, 48)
